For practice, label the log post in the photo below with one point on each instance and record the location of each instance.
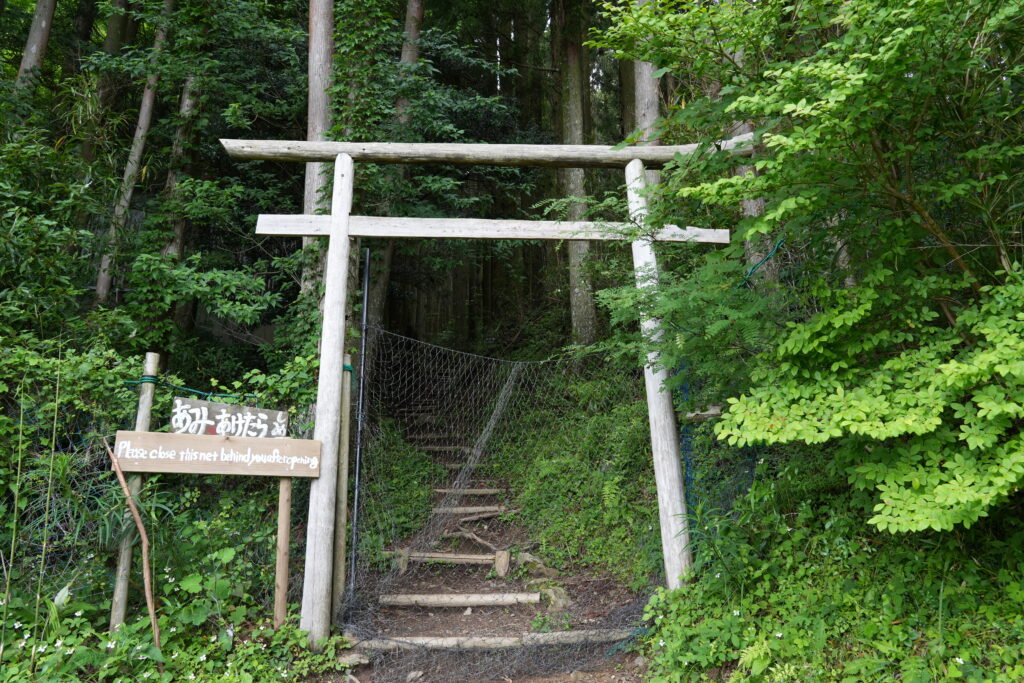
(668, 474)
(284, 525)
(147, 389)
(341, 503)
(317, 584)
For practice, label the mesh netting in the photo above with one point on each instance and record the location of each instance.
(471, 461)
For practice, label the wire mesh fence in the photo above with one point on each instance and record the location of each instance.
(508, 523)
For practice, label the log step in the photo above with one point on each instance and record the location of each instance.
(471, 492)
(470, 510)
(453, 558)
(444, 449)
(460, 599)
(581, 637)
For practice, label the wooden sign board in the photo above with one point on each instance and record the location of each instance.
(210, 454)
(193, 416)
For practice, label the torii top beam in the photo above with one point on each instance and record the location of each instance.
(559, 156)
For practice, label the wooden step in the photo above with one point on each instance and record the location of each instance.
(471, 492)
(580, 637)
(470, 510)
(459, 599)
(453, 558)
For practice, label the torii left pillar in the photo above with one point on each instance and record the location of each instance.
(317, 582)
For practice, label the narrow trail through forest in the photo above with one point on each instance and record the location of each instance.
(469, 601)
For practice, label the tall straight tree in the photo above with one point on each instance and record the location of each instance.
(409, 57)
(38, 37)
(568, 29)
(133, 166)
(318, 109)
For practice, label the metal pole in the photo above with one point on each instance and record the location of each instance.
(360, 422)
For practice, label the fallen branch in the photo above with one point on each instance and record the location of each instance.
(147, 580)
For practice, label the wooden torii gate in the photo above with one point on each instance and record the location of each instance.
(340, 226)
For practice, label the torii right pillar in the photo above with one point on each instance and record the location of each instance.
(668, 472)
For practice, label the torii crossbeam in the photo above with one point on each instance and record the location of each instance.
(340, 227)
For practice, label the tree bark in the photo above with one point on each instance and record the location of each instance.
(757, 249)
(410, 56)
(85, 19)
(35, 46)
(186, 110)
(133, 166)
(318, 112)
(410, 50)
(112, 42)
(568, 29)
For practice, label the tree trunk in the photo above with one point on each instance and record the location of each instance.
(568, 28)
(757, 249)
(410, 50)
(410, 56)
(112, 42)
(186, 111)
(35, 46)
(318, 112)
(133, 166)
(85, 18)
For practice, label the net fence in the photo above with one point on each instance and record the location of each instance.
(507, 523)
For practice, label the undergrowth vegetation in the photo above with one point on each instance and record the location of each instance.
(581, 466)
(793, 585)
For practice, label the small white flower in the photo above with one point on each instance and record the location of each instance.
(760, 461)
(174, 629)
(661, 643)
(170, 579)
(42, 647)
(167, 570)
(17, 624)
(718, 575)
(262, 628)
(959, 660)
(174, 656)
(22, 643)
(147, 674)
(111, 643)
(213, 639)
(230, 632)
(202, 658)
(735, 612)
(69, 651)
(778, 635)
(59, 642)
(78, 613)
(191, 677)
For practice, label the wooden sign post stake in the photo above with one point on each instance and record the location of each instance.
(284, 524)
(119, 601)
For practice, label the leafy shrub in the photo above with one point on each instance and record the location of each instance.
(808, 592)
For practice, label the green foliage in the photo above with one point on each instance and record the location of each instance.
(793, 586)
(585, 486)
(887, 139)
(397, 499)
